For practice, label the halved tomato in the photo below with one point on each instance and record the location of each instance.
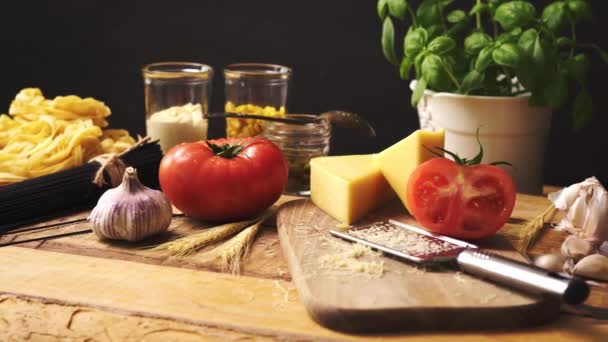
(463, 201)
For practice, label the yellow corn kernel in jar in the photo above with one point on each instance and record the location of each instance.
(237, 128)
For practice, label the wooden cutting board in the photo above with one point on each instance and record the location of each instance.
(403, 297)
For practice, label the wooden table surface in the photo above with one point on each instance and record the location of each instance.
(78, 289)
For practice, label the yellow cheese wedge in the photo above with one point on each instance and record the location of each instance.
(399, 160)
(347, 187)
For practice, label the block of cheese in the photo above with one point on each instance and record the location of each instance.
(398, 161)
(348, 187)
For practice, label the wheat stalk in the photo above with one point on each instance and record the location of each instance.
(236, 248)
(532, 228)
(188, 244)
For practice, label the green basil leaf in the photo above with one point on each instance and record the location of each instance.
(458, 27)
(538, 53)
(418, 64)
(429, 12)
(418, 91)
(397, 8)
(582, 109)
(434, 31)
(563, 41)
(479, 8)
(449, 62)
(456, 16)
(555, 16)
(493, 4)
(382, 9)
(509, 55)
(527, 40)
(510, 37)
(580, 9)
(484, 59)
(472, 81)
(475, 42)
(577, 67)
(433, 71)
(541, 67)
(516, 32)
(388, 41)
(514, 14)
(415, 40)
(405, 67)
(555, 91)
(441, 45)
(526, 74)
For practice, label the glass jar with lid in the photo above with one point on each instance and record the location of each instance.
(254, 88)
(299, 144)
(177, 94)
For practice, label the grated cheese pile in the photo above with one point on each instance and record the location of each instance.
(351, 260)
(401, 239)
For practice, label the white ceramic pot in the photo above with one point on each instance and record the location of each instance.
(509, 130)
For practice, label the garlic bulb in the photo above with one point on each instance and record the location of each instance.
(131, 211)
(586, 204)
(576, 248)
(550, 262)
(593, 266)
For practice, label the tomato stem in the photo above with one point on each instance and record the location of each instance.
(225, 150)
(228, 151)
(464, 161)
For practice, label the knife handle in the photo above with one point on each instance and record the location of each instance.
(522, 276)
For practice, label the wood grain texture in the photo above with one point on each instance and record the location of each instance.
(404, 297)
(58, 322)
(124, 300)
(132, 295)
(263, 259)
(247, 304)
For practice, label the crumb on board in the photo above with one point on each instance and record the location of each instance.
(488, 298)
(343, 226)
(282, 296)
(283, 290)
(354, 259)
(459, 277)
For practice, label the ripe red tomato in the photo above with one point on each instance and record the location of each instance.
(464, 201)
(223, 179)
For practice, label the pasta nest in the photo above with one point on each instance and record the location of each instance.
(43, 136)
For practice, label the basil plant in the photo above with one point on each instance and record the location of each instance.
(494, 48)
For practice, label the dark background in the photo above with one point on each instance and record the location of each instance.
(97, 48)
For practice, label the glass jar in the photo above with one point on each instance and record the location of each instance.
(177, 95)
(253, 88)
(300, 143)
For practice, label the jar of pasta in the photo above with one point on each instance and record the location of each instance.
(253, 88)
(299, 143)
(177, 95)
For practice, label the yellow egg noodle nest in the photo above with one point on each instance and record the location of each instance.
(238, 128)
(43, 136)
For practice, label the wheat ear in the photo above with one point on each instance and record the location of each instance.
(188, 244)
(236, 248)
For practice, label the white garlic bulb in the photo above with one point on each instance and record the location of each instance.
(576, 248)
(550, 262)
(594, 266)
(131, 211)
